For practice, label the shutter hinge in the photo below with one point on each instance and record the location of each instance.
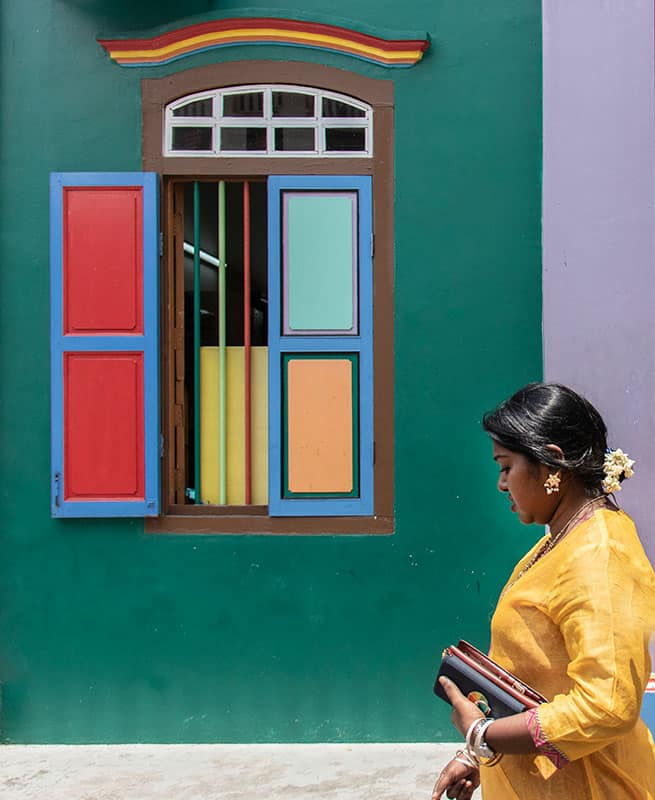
(161, 243)
(57, 489)
(374, 453)
(372, 245)
(161, 445)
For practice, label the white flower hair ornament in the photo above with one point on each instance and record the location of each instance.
(616, 465)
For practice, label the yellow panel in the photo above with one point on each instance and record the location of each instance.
(320, 425)
(209, 468)
(259, 422)
(235, 419)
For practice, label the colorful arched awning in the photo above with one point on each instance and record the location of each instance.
(190, 39)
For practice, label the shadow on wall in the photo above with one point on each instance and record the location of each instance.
(119, 15)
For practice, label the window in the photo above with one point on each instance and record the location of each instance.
(269, 120)
(275, 383)
(273, 350)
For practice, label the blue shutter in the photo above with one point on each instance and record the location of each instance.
(320, 346)
(104, 239)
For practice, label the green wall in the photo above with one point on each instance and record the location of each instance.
(109, 635)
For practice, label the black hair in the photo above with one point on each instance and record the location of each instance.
(540, 414)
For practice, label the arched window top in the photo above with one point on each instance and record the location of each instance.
(268, 120)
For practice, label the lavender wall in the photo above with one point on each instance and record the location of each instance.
(598, 223)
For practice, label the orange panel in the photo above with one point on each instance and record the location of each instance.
(320, 425)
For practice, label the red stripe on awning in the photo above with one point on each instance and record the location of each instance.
(188, 31)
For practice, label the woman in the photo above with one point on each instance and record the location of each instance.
(573, 621)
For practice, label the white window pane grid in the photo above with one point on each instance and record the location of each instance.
(319, 123)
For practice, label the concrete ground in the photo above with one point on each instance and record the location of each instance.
(228, 772)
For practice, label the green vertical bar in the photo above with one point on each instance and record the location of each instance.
(222, 310)
(196, 338)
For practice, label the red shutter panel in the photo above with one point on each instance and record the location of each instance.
(104, 304)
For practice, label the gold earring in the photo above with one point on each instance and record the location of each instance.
(552, 482)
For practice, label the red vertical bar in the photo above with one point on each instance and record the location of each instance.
(246, 337)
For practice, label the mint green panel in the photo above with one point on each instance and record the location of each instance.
(319, 262)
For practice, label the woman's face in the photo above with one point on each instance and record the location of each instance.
(523, 480)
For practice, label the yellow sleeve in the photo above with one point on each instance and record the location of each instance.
(603, 602)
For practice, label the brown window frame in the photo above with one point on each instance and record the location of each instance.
(379, 94)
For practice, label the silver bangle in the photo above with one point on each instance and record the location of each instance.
(472, 731)
(470, 738)
(479, 744)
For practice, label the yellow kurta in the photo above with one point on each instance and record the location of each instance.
(576, 627)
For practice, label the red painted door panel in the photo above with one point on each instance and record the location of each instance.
(103, 423)
(103, 260)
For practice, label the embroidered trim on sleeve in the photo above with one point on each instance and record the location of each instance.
(542, 744)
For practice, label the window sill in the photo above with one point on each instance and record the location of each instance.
(236, 524)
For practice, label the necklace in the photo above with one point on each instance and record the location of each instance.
(571, 522)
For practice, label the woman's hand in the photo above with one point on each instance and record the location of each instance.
(457, 780)
(464, 711)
